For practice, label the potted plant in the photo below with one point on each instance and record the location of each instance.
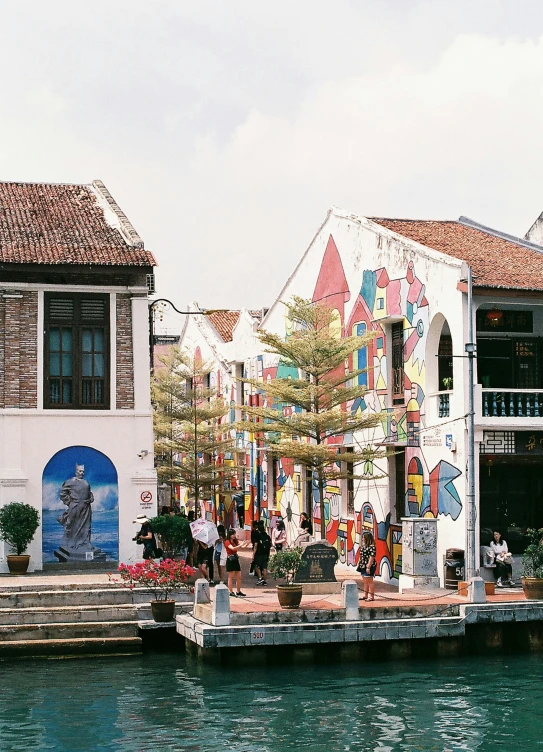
(532, 565)
(174, 534)
(18, 525)
(285, 565)
(447, 383)
(159, 580)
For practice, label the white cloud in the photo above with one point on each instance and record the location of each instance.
(225, 132)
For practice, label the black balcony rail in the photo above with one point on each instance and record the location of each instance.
(512, 403)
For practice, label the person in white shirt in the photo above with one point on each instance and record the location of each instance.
(502, 560)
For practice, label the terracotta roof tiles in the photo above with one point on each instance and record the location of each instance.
(496, 261)
(45, 223)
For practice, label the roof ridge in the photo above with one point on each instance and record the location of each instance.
(467, 222)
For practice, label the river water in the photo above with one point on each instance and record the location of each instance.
(170, 703)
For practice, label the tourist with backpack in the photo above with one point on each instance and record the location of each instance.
(262, 554)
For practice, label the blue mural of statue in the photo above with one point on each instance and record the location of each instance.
(80, 507)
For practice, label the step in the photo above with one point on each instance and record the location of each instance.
(68, 614)
(77, 646)
(86, 597)
(68, 630)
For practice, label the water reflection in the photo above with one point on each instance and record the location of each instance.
(166, 703)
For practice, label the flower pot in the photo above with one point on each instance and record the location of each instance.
(18, 564)
(289, 595)
(163, 610)
(533, 588)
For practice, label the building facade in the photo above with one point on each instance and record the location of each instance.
(75, 415)
(406, 281)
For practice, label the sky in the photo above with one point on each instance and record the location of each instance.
(226, 130)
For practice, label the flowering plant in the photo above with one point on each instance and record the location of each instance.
(158, 579)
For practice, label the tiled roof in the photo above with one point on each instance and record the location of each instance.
(225, 321)
(45, 223)
(496, 261)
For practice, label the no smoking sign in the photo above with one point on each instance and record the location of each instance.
(146, 499)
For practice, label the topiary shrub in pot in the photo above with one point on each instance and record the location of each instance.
(532, 565)
(18, 525)
(285, 565)
(174, 534)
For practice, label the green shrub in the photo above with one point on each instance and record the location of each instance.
(174, 533)
(532, 558)
(285, 564)
(18, 525)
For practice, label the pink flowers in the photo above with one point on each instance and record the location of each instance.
(159, 579)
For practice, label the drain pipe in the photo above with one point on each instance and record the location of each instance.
(476, 586)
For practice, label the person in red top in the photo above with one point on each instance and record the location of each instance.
(233, 566)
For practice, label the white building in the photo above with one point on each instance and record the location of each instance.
(406, 281)
(74, 369)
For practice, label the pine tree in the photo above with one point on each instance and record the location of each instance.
(320, 386)
(190, 439)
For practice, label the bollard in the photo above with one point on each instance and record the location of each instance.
(220, 615)
(349, 600)
(476, 590)
(201, 591)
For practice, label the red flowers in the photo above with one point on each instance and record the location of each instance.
(159, 579)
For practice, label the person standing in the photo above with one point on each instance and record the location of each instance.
(220, 553)
(204, 559)
(262, 554)
(367, 565)
(233, 566)
(146, 536)
(254, 540)
(279, 535)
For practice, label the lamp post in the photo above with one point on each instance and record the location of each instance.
(166, 302)
(476, 587)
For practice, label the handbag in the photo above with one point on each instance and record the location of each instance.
(232, 557)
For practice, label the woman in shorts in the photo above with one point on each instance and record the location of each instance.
(367, 565)
(233, 566)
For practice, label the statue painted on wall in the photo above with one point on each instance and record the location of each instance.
(76, 519)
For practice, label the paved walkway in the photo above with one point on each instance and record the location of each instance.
(265, 598)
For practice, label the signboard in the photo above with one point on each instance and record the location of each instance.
(529, 442)
(146, 501)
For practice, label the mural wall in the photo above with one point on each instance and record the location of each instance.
(430, 488)
(80, 507)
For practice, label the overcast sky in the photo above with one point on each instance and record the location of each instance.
(226, 129)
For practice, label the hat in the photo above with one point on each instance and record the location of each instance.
(141, 518)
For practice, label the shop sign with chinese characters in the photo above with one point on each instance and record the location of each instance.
(529, 442)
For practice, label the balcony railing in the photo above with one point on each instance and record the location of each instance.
(512, 403)
(443, 403)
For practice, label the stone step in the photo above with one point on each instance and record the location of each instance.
(68, 614)
(86, 597)
(68, 631)
(76, 646)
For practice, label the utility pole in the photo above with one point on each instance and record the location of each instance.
(476, 585)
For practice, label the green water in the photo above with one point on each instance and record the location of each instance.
(167, 703)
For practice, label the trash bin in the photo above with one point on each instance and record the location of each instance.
(454, 568)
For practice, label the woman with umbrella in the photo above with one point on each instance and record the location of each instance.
(205, 534)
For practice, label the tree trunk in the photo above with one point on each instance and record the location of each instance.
(321, 504)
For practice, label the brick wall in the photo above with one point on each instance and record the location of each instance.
(19, 351)
(125, 354)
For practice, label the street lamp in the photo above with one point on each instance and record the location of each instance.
(164, 301)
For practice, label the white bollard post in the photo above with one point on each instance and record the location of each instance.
(201, 591)
(220, 614)
(476, 590)
(349, 600)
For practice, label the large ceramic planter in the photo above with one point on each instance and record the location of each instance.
(533, 588)
(289, 596)
(18, 564)
(163, 610)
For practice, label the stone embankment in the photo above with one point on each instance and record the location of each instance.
(71, 615)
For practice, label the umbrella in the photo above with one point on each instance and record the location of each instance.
(204, 531)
